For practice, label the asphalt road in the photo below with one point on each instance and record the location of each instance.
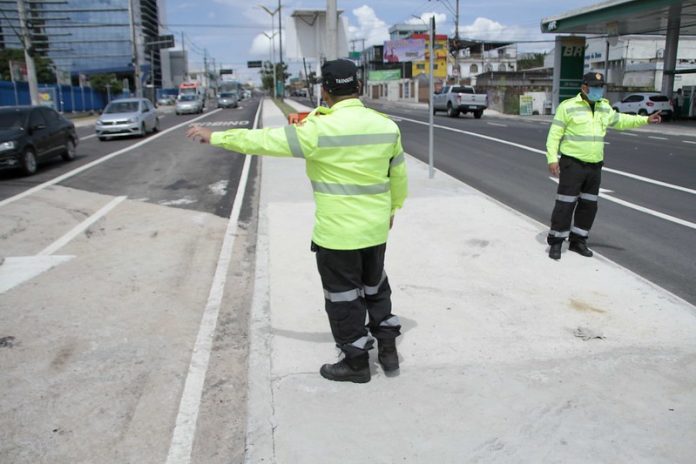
(100, 347)
(629, 228)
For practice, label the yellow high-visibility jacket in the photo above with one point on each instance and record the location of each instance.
(355, 162)
(578, 132)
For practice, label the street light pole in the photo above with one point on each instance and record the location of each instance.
(28, 53)
(273, 33)
(431, 85)
(136, 58)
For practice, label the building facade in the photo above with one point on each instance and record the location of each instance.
(88, 37)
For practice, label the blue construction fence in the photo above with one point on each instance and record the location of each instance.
(63, 98)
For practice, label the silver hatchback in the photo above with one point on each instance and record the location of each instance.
(188, 103)
(129, 116)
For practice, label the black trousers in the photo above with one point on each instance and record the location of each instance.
(576, 200)
(355, 285)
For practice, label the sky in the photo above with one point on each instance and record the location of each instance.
(232, 31)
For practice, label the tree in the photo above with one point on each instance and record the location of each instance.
(267, 74)
(100, 81)
(44, 71)
(533, 60)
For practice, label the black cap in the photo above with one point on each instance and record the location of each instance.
(340, 77)
(593, 79)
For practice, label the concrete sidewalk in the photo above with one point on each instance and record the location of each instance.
(492, 369)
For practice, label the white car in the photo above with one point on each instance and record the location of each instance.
(188, 103)
(129, 116)
(645, 104)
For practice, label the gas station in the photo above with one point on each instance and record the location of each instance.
(672, 18)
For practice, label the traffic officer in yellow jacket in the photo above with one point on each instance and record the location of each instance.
(355, 163)
(577, 135)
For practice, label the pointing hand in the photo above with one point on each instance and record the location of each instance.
(203, 134)
(655, 118)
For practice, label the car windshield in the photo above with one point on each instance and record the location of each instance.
(227, 94)
(187, 98)
(462, 90)
(11, 120)
(122, 107)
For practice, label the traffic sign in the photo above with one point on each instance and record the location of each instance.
(254, 64)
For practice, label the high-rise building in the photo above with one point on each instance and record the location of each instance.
(92, 36)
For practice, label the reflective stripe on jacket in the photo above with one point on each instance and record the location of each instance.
(355, 162)
(579, 132)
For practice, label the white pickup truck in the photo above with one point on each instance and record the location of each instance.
(457, 99)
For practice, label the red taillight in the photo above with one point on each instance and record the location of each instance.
(459, 98)
(650, 104)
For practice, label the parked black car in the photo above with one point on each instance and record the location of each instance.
(30, 134)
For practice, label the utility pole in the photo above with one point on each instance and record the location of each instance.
(331, 30)
(431, 86)
(136, 57)
(280, 48)
(28, 53)
(456, 23)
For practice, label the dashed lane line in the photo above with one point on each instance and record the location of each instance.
(96, 162)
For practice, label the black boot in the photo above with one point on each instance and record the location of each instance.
(555, 250)
(355, 370)
(580, 248)
(387, 355)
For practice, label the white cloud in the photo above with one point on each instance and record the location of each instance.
(370, 27)
(440, 18)
(261, 45)
(488, 29)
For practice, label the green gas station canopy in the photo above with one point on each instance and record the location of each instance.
(623, 17)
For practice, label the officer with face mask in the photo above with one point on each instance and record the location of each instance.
(577, 136)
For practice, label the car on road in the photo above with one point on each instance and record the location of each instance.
(31, 134)
(456, 99)
(228, 100)
(128, 116)
(189, 103)
(166, 100)
(645, 104)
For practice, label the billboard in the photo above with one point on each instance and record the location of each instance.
(401, 50)
(568, 69)
(384, 75)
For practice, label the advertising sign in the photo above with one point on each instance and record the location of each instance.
(384, 75)
(47, 97)
(526, 105)
(568, 69)
(401, 50)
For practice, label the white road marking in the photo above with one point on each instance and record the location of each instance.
(87, 137)
(496, 124)
(81, 227)
(542, 152)
(17, 270)
(688, 141)
(657, 138)
(652, 212)
(628, 133)
(185, 429)
(178, 202)
(87, 166)
(221, 123)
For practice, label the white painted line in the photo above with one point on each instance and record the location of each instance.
(81, 227)
(542, 152)
(496, 124)
(87, 137)
(627, 133)
(185, 428)
(652, 212)
(657, 138)
(667, 217)
(688, 141)
(87, 166)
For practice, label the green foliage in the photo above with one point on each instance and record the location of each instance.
(536, 60)
(267, 74)
(100, 81)
(44, 70)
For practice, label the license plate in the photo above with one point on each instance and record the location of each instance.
(472, 107)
